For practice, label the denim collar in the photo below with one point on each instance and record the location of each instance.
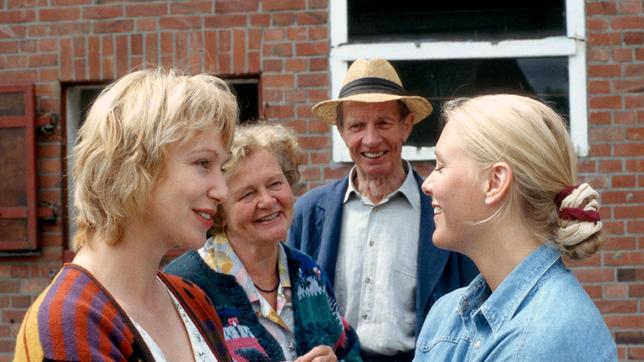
(499, 306)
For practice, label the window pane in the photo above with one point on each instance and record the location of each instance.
(442, 80)
(378, 20)
(12, 104)
(13, 230)
(12, 167)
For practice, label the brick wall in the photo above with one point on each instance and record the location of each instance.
(55, 42)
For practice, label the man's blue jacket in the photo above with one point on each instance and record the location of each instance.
(316, 231)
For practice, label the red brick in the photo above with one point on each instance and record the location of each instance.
(319, 157)
(146, 24)
(623, 181)
(627, 22)
(277, 80)
(277, 5)
(146, 9)
(595, 275)
(20, 301)
(283, 19)
(193, 7)
(279, 112)
(297, 34)
(312, 18)
(239, 51)
(310, 173)
(635, 353)
(180, 50)
(634, 38)
(17, 16)
(122, 55)
(607, 134)
(333, 173)
(210, 47)
(315, 142)
(616, 306)
(107, 57)
(312, 48)
(601, 8)
(603, 71)
(93, 54)
(180, 22)
(625, 117)
(612, 227)
(599, 86)
(274, 34)
(28, 46)
(261, 20)
(254, 39)
(9, 46)
(628, 149)
(103, 12)
(13, 4)
(623, 258)
(596, 54)
(273, 65)
(236, 6)
(635, 227)
(634, 70)
(79, 46)
(635, 134)
(224, 21)
(605, 39)
(624, 55)
(318, 4)
(114, 26)
(312, 80)
(596, 25)
(600, 150)
(608, 166)
(639, 54)
(278, 50)
(615, 291)
(634, 101)
(594, 291)
(69, 28)
(66, 66)
(47, 45)
(254, 60)
(59, 14)
(634, 321)
(9, 286)
(318, 33)
(629, 6)
(605, 102)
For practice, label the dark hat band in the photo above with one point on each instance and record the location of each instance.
(371, 85)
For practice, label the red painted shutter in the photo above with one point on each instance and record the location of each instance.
(18, 210)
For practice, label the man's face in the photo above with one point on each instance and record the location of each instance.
(374, 134)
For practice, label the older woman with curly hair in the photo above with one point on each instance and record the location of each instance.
(147, 179)
(275, 303)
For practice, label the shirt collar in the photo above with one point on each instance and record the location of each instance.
(500, 306)
(409, 188)
(221, 257)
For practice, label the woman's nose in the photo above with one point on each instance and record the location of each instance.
(218, 191)
(428, 185)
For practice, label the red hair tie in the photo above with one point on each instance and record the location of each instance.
(574, 213)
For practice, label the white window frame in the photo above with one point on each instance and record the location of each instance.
(573, 46)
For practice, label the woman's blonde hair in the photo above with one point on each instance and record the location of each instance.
(121, 148)
(278, 140)
(532, 139)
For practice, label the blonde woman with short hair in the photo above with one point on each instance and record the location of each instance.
(505, 194)
(147, 179)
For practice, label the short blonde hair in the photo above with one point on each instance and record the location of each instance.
(278, 140)
(532, 139)
(122, 146)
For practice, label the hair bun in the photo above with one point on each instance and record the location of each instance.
(579, 212)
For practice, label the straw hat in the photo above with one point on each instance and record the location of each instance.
(372, 81)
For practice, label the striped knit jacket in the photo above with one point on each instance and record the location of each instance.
(316, 314)
(76, 319)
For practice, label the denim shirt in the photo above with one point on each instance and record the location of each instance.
(539, 312)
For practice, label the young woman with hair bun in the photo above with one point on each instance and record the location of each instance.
(505, 194)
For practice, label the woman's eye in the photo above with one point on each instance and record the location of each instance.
(276, 184)
(203, 163)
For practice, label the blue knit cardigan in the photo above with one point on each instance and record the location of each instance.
(315, 312)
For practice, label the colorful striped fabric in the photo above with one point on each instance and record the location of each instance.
(76, 319)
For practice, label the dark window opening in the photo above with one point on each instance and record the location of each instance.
(378, 20)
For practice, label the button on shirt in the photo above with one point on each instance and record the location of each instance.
(539, 312)
(375, 276)
(221, 257)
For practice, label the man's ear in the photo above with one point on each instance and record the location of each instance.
(498, 183)
(408, 124)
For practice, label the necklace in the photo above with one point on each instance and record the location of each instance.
(268, 290)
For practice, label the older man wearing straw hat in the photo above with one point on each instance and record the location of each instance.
(372, 230)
